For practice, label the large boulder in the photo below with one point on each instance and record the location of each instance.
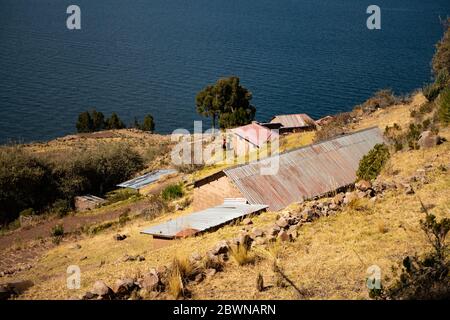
(102, 290)
(363, 185)
(428, 139)
(124, 287)
(150, 282)
(221, 247)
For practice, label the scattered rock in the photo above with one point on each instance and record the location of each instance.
(150, 282)
(338, 199)
(247, 221)
(75, 246)
(102, 290)
(124, 287)
(260, 241)
(83, 258)
(284, 236)
(282, 223)
(428, 139)
(273, 231)
(89, 296)
(210, 272)
(256, 233)
(119, 237)
(133, 258)
(195, 257)
(363, 185)
(349, 197)
(409, 190)
(221, 247)
(199, 278)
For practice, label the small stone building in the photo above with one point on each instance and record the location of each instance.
(88, 202)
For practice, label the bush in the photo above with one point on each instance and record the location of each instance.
(57, 231)
(25, 182)
(444, 106)
(30, 182)
(431, 91)
(121, 195)
(371, 164)
(61, 207)
(173, 191)
(380, 100)
(27, 212)
(423, 277)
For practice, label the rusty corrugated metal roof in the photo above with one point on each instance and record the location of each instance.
(305, 172)
(294, 120)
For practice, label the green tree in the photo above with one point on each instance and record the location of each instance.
(206, 104)
(98, 120)
(441, 58)
(84, 123)
(444, 106)
(228, 100)
(148, 124)
(114, 122)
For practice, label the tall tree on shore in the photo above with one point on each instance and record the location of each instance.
(84, 123)
(206, 104)
(98, 120)
(227, 100)
(148, 124)
(114, 122)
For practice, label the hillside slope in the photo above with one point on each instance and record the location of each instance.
(328, 260)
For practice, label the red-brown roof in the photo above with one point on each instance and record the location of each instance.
(299, 120)
(255, 133)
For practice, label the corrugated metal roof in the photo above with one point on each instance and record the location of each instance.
(293, 120)
(146, 179)
(305, 172)
(91, 198)
(203, 220)
(255, 133)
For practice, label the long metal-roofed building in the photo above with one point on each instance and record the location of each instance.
(141, 182)
(303, 173)
(191, 224)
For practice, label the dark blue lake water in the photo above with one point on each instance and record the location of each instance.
(153, 56)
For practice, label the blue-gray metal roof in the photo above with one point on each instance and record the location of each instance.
(146, 179)
(203, 220)
(305, 172)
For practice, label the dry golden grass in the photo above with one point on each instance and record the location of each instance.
(175, 284)
(399, 114)
(241, 255)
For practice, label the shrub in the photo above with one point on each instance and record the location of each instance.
(444, 106)
(431, 91)
(120, 195)
(371, 164)
(61, 207)
(380, 100)
(241, 255)
(25, 182)
(57, 231)
(423, 277)
(173, 191)
(27, 212)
